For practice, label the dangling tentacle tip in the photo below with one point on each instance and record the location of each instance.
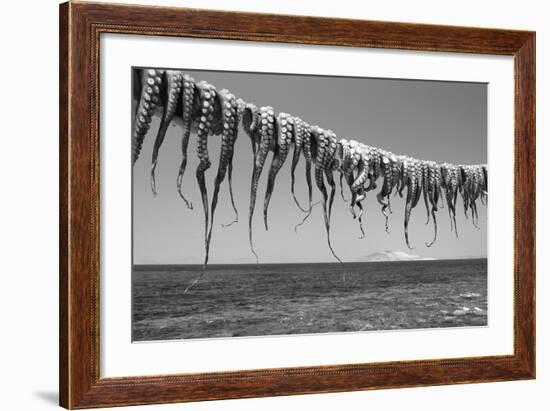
(195, 281)
(188, 203)
(301, 223)
(229, 224)
(256, 258)
(153, 181)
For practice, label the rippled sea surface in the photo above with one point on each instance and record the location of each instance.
(277, 299)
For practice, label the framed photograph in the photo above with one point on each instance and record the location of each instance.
(257, 205)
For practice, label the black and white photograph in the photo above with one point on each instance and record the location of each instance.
(267, 204)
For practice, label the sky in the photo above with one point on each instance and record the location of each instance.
(432, 120)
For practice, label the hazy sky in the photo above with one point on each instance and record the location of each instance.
(440, 121)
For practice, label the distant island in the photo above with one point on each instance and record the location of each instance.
(392, 256)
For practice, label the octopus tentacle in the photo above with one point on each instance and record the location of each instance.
(299, 135)
(207, 99)
(345, 166)
(239, 114)
(433, 193)
(485, 185)
(363, 170)
(187, 104)
(151, 81)
(365, 165)
(322, 159)
(173, 83)
(384, 194)
(418, 177)
(331, 165)
(266, 142)
(308, 156)
(395, 165)
(402, 175)
(285, 129)
(357, 190)
(359, 197)
(425, 166)
(228, 106)
(412, 189)
(375, 167)
(449, 181)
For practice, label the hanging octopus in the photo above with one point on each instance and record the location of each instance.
(207, 112)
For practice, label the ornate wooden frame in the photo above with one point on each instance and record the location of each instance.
(80, 27)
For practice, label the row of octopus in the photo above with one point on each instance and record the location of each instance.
(206, 111)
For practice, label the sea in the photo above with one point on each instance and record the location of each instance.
(282, 299)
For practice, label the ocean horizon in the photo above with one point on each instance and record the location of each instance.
(242, 299)
(210, 264)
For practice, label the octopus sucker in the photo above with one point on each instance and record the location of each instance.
(188, 96)
(151, 81)
(266, 127)
(229, 121)
(285, 129)
(207, 94)
(172, 84)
